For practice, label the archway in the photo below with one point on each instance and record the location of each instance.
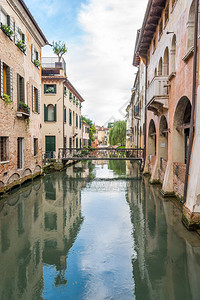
(160, 67)
(181, 130)
(152, 138)
(163, 146)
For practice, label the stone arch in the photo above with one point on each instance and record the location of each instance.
(190, 26)
(152, 138)
(37, 169)
(160, 67)
(27, 172)
(163, 138)
(181, 122)
(13, 199)
(166, 62)
(12, 178)
(173, 54)
(155, 72)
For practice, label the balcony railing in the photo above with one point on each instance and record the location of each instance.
(52, 62)
(158, 88)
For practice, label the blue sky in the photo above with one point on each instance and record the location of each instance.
(100, 37)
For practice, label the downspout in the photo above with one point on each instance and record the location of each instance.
(145, 116)
(63, 116)
(191, 134)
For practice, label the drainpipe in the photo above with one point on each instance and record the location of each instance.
(191, 134)
(145, 116)
(63, 116)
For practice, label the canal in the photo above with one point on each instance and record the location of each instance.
(94, 232)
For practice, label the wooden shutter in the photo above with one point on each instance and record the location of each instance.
(33, 99)
(10, 23)
(32, 53)
(24, 39)
(38, 93)
(1, 78)
(22, 90)
(16, 33)
(45, 88)
(54, 88)
(45, 113)
(18, 90)
(8, 81)
(55, 112)
(65, 115)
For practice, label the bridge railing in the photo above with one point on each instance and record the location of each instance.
(67, 153)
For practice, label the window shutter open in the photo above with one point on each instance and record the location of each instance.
(24, 39)
(55, 112)
(54, 88)
(22, 90)
(38, 92)
(11, 84)
(1, 78)
(16, 33)
(18, 90)
(45, 88)
(10, 23)
(32, 53)
(45, 113)
(8, 81)
(65, 115)
(33, 99)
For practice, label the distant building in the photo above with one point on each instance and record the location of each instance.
(21, 41)
(85, 134)
(61, 109)
(102, 135)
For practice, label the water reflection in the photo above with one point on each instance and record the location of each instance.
(168, 255)
(91, 233)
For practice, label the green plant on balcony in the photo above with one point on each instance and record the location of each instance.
(6, 99)
(76, 102)
(80, 105)
(24, 107)
(21, 45)
(7, 30)
(65, 92)
(37, 63)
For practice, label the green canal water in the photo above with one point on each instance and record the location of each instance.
(94, 232)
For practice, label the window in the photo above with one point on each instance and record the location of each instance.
(35, 146)
(65, 91)
(65, 142)
(35, 100)
(65, 115)
(70, 142)
(6, 79)
(80, 122)
(70, 96)
(6, 23)
(76, 142)
(49, 88)
(20, 153)
(35, 56)
(4, 148)
(70, 117)
(80, 143)
(50, 221)
(20, 39)
(50, 113)
(20, 89)
(76, 121)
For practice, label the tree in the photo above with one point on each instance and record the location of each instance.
(117, 134)
(59, 48)
(92, 128)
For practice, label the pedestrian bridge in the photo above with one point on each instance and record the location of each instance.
(80, 154)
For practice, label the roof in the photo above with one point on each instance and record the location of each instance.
(73, 90)
(34, 21)
(152, 15)
(136, 57)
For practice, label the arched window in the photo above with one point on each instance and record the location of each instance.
(166, 62)
(190, 26)
(160, 67)
(50, 112)
(155, 72)
(173, 54)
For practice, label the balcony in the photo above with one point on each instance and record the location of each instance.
(158, 94)
(52, 63)
(23, 111)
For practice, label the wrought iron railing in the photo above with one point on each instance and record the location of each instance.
(99, 153)
(48, 156)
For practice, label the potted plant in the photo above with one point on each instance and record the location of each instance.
(23, 107)
(50, 90)
(7, 30)
(59, 48)
(6, 99)
(37, 63)
(21, 45)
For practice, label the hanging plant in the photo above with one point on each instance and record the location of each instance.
(21, 45)
(6, 99)
(7, 30)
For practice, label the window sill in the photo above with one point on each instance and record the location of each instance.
(50, 94)
(4, 162)
(188, 54)
(50, 121)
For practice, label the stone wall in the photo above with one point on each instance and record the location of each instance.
(179, 178)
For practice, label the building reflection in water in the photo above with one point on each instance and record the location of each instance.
(167, 264)
(38, 225)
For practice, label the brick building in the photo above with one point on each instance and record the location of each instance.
(21, 41)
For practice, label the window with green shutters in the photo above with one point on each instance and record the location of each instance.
(35, 100)
(79, 122)
(50, 113)
(76, 121)
(65, 115)
(49, 88)
(65, 142)
(76, 142)
(70, 142)
(70, 117)
(70, 96)
(6, 80)
(20, 89)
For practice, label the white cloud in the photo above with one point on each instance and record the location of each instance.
(99, 64)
